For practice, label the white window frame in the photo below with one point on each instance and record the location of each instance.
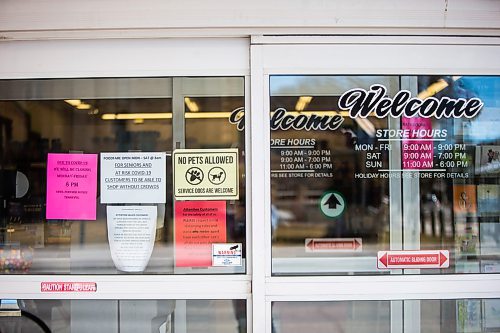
(352, 55)
(89, 58)
(256, 60)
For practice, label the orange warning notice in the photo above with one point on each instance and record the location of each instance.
(198, 224)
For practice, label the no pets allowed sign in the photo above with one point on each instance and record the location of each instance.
(206, 174)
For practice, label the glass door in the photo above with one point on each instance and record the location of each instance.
(369, 151)
(331, 212)
(214, 147)
(101, 227)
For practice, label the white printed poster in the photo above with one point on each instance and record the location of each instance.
(131, 236)
(133, 177)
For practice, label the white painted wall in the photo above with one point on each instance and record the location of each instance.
(123, 57)
(116, 18)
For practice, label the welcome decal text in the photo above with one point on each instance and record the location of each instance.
(360, 102)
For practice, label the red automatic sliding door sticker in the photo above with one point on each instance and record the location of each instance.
(413, 259)
(334, 245)
(198, 224)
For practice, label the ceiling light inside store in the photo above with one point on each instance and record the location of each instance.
(206, 115)
(366, 126)
(78, 104)
(191, 105)
(436, 87)
(187, 115)
(133, 116)
(303, 102)
(83, 106)
(318, 113)
(73, 102)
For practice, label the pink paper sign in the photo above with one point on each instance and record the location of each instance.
(198, 224)
(71, 186)
(418, 147)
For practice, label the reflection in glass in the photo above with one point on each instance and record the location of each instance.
(344, 190)
(463, 315)
(430, 316)
(327, 217)
(347, 317)
(460, 212)
(94, 116)
(167, 316)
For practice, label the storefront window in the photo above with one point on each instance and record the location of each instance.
(347, 316)
(460, 204)
(384, 175)
(88, 180)
(436, 316)
(167, 316)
